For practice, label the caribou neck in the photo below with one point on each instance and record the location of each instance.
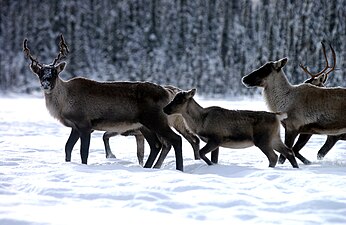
(56, 98)
(193, 116)
(277, 92)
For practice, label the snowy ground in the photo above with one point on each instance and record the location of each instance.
(38, 187)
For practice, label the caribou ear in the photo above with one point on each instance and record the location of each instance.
(60, 67)
(35, 68)
(191, 93)
(280, 63)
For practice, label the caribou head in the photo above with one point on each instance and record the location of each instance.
(47, 73)
(259, 77)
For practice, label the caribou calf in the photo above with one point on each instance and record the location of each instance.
(175, 121)
(231, 128)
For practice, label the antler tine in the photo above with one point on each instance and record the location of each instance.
(325, 57)
(306, 70)
(334, 59)
(322, 71)
(26, 51)
(63, 50)
(63, 45)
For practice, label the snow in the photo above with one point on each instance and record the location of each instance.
(38, 187)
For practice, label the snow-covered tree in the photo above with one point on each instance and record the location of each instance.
(208, 44)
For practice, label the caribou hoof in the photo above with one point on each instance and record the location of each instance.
(320, 157)
(111, 156)
(306, 162)
(282, 159)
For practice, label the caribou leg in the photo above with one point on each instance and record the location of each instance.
(215, 156)
(330, 142)
(84, 146)
(289, 140)
(166, 147)
(140, 148)
(210, 146)
(301, 142)
(71, 141)
(105, 137)
(264, 144)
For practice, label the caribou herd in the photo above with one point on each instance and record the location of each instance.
(149, 112)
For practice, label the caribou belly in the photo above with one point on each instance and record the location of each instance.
(237, 144)
(120, 127)
(329, 132)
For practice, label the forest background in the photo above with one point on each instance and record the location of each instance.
(207, 44)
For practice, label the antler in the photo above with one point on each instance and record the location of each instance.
(63, 50)
(334, 59)
(27, 53)
(327, 66)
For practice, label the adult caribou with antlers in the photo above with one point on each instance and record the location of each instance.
(86, 105)
(310, 109)
(318, 79)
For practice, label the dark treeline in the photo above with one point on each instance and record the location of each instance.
(208, 44)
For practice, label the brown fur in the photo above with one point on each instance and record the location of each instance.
(304, 138)
(86, 105)
(175, 121)
(310, 109)
(230, 128)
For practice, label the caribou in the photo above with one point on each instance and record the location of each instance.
(175, 121)
(318, 79)
(310, 109)
(220, 127)
(86, 105)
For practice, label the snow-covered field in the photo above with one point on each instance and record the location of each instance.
(38, 187)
